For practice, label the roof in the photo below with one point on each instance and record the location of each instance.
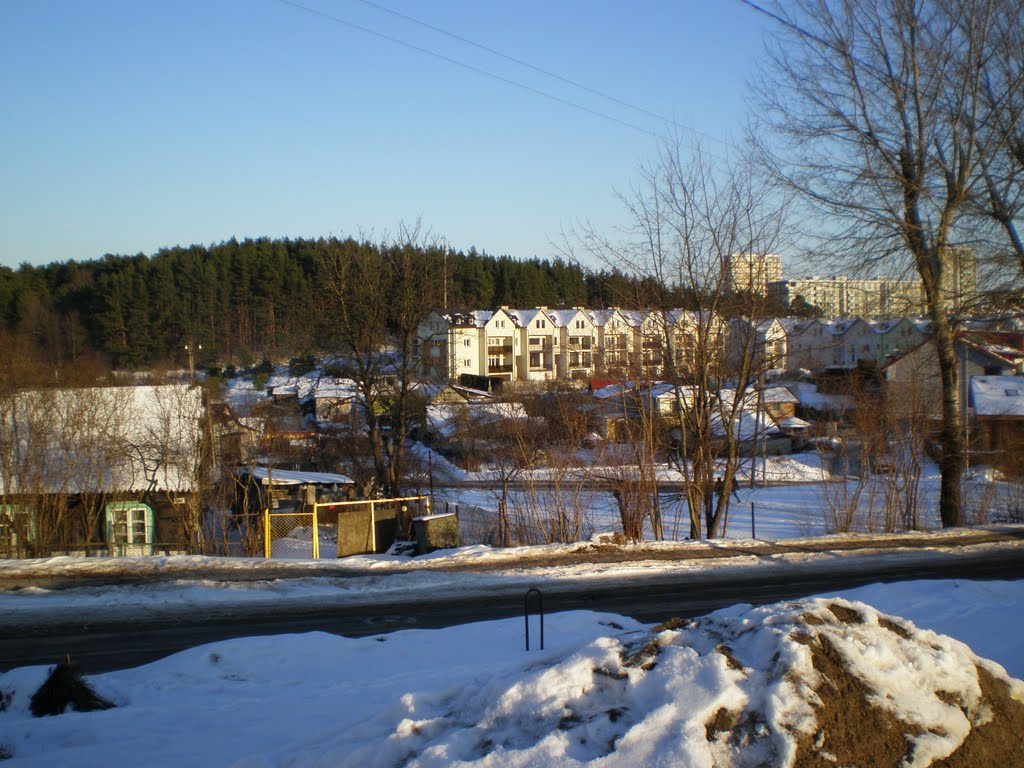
(998, 395)
(778, 395)
(320, 387)
(562, 317)
(449, 418)
(269, 475)
(792, 422)
(104, 439)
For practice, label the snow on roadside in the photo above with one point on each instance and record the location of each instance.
(735, 687)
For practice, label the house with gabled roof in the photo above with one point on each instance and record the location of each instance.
(894, 338)
(763, 340)
(997, 404)
(576, 343)
(450, 344)
(912, 381)
(614, 342)
(111, 470)
(537, 343)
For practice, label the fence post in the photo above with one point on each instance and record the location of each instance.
(753, 530)
(526, 614)
(373, 527)
(266, 533)
(316, 532)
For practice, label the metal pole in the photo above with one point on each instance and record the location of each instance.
(526, 614)
(753, 530)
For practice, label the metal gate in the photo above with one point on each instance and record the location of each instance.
(291, 535)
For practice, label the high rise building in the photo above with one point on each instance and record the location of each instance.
(752, 271)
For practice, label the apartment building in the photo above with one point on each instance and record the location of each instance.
(541, 344)
(842, 296)
(575, 344)
(752, 272)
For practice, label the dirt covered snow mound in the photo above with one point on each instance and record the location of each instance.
(808, 683)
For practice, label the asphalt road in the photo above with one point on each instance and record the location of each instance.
(99, 647)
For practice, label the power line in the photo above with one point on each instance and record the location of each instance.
(464, 65)
(528, 65)
(500, 78)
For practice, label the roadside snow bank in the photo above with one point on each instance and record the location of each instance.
(810, 682)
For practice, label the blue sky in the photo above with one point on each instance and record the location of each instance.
(133, 125)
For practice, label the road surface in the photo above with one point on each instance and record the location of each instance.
(102, 646)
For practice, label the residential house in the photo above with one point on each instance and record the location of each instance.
(576, 343)
(894, 338)
(615, 342)
(111, 470)
(451, 345)
(819, 344)
(538, 343)
(998, 423)
(912, 382)
(853, 342)
(328, 401)
(503, 340)
(763, 340)
(808, 346)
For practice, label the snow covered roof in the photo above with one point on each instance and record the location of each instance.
(104, 439)
(779, 395)
(810, 397)
(792, 422)
(268, 475)
(449, 418)
(562, 317)
(319, 387)
(998, 395)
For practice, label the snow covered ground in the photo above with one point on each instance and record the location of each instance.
(734, 688)
(472, 695)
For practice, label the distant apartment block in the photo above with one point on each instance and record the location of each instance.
(841, 296)
(752, 272)
(882, 297)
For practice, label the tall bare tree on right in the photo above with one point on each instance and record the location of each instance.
(899, 120)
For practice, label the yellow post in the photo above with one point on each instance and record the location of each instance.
(316, 535)
(373, 528)
(266, 533)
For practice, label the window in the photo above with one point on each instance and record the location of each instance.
(467, 363)
(467, 343)
(129, 523)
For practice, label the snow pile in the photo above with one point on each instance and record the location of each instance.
(818, 681)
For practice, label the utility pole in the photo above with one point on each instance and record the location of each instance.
(190, 350)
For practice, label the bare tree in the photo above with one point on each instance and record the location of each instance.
(898, 121)
(689, 218)
(375, 298)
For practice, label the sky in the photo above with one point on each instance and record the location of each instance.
(135, 126)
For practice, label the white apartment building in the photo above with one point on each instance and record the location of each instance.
(538, 342)
(576, 343)
(752, 271)
(614, 341)
(764, 340)
(842, 296)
